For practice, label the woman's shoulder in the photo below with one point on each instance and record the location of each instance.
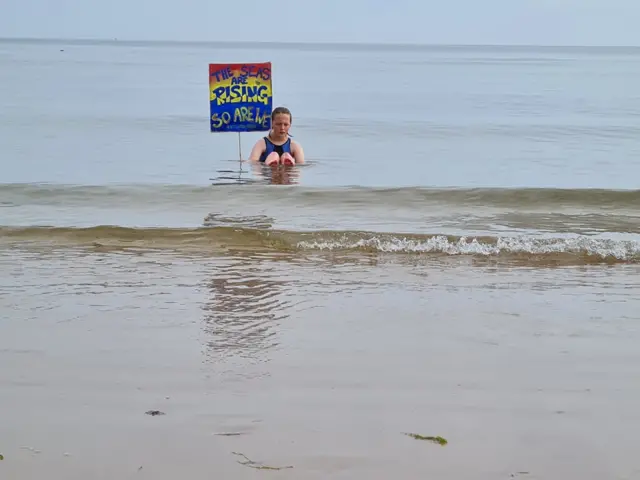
(296, 148)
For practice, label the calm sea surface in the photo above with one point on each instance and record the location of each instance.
(460, 257)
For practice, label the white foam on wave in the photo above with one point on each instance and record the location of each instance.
(624, 250)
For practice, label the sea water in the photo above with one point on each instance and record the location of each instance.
(459, 257)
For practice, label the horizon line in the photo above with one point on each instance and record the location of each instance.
(116, 40)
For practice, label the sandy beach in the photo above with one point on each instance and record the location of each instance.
(322, 365)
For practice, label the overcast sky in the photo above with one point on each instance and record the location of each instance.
(541, 22)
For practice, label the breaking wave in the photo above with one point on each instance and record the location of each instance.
(575, 250)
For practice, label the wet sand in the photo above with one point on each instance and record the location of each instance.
(320, 362)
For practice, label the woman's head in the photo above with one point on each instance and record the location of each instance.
(281, 120)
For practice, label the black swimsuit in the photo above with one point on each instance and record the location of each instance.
(272, 147)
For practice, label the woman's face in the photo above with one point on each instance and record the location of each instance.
(281, 124)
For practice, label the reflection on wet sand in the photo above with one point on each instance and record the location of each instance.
(246, 305)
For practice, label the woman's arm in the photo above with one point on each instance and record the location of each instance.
(257, 150)
(298, 152)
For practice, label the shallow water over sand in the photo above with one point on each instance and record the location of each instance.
(319, 362)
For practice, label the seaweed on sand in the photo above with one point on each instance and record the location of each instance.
(438, 440)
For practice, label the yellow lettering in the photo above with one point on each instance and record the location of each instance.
(241, 94)
(249, 114)
(217, 121)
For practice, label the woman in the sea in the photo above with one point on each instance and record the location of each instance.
(277, 148)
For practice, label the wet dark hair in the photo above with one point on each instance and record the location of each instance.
(281, 110)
